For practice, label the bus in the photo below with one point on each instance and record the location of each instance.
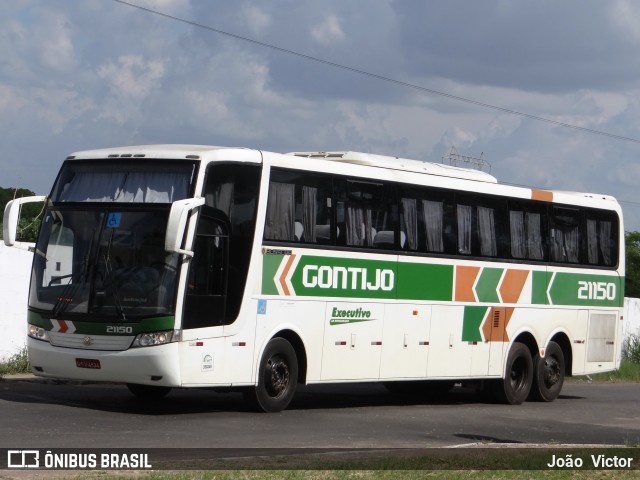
(170, 266)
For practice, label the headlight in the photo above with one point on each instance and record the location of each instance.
(156, 338)
(38, 333)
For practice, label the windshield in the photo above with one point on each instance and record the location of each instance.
(114, 181)
(104, 263)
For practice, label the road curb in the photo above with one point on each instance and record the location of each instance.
(30, 378)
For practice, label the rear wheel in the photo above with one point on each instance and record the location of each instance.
(548, 375)
(148, 392)
(277, 377)
(515, 387)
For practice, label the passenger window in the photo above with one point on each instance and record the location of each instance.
(564, 235)
(601, 239)
(480, 228)
(426, 221)
(366, 214)
(526, 227)
(299, 208)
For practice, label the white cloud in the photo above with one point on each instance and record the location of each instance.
(256, 19)
(101, 73)
(57, 51)
(165, 6)
(328, 32)
(132, 76)
(625, 18)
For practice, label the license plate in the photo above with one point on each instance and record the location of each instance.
(87, 363)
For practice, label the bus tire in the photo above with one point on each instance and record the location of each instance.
(148, 392)
(277, 377)
(516, 386)
(548, 374)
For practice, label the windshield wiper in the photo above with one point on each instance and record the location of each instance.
(108, 268)
(63, 300)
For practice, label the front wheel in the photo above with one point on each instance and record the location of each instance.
(515, 387)
(277, 377)
(548, 375)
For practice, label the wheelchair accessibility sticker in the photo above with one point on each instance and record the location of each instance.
(113, 220)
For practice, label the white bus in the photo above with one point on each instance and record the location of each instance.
(191, 266)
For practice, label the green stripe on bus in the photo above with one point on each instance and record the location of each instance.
(344, 277)
(487, 286)
(155, 324)
(423, 281)
(270, 264)
(582, 290)
(472, 320)
(319, 276)
(539, 287)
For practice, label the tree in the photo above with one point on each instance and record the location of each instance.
(632, 279)
(28, 225)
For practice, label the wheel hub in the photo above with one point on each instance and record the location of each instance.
(551, 371)
(278, 377)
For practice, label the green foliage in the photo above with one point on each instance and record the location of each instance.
(631, 349)
(18, 363)
(628, 372)
(7, 194)
(28, 225)
(632, 278)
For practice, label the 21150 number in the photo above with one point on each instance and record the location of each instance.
(596, 290)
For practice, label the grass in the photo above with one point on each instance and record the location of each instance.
(17, 363)
(360, 475)
(369, 474)
(628, 372)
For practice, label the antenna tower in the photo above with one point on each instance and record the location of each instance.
(456, 160)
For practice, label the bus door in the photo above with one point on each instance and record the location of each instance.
(205, 300)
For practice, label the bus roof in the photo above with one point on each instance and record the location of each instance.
(403, 164)
(241, 154)
(171, 151)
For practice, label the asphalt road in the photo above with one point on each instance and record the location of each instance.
(34, 414)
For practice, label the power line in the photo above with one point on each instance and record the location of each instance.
(381, 77)
(386, 79)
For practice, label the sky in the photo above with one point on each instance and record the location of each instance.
(83, 74)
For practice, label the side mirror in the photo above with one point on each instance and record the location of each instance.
(12, 217)
(178, 216)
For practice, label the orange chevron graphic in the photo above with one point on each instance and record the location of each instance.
(512, 285)
(465, 278)
(283, 276)
(495, 325)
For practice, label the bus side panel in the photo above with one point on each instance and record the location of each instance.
(449, 356)
(304, 318)
(603, 351)
(353, 341)
(543, 323)
(405, 340)
(578, 346)
(202, 357)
